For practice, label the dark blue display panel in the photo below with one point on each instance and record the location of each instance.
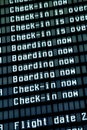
(43, 64)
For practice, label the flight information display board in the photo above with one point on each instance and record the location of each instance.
(43, 64)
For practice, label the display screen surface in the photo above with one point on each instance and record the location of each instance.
(43, 64)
